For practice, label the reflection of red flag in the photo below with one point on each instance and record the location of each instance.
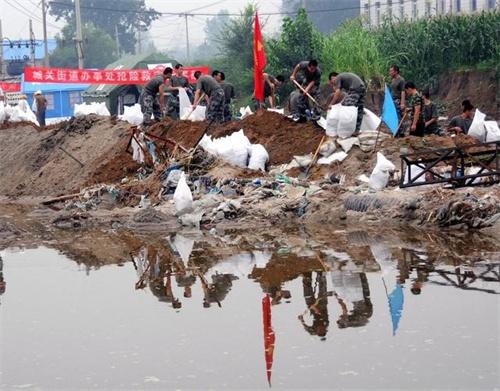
(259, 59)
(269, 337)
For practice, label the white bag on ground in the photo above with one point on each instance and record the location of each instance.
(2, 113)
(415, 170)
(258, 157)
(334, 157)
(380, 174)
(327, 148)
(184, 102)
(198, 114)
(332, 121)
(370, 121)
(477, 129)
(347, 121)
(91, 108)
(183, 198)
(132, 114)
(245, 111)
(492, 131)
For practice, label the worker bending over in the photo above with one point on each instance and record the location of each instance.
(355, 90)
(152, 99)
(207, 85)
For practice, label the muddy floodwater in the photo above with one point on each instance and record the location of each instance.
(251, 310)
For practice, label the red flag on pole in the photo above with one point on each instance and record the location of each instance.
(259, 59)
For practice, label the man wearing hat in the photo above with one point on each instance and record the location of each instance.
(39, 107)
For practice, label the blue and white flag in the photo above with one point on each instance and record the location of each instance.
(389, 112)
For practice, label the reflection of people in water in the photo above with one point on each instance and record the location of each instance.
(2, 281)
(411, 261)
(317, 305)
(353, 295)
(216, 291)
(277, 294)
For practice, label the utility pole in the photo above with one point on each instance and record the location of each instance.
(79, 37)
(117, 40)
(32, 44)
(187, 36)
(139, 41)
(45, 41)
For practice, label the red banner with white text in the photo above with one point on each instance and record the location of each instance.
(10, 87)
(101, 76)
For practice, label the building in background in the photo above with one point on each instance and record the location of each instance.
(18, 54)
(375, 11)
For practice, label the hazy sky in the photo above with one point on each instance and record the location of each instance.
(167, 32)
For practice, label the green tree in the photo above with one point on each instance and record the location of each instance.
(299, 40)
(128, 16)
(99, 48)
(213, 28)
(235, 42)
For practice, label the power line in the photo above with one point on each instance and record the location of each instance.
(371, 5)
(27, 13)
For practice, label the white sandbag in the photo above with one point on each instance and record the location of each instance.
(303, 161)
(245, 111)
(258, 157)
(279, 111)
(370, 121)
(322, 122)
(91, 108)
(477, 129)
(492, 131)
(335, 157)
(380, 174)
(20, 112)
(183, 198)
(327, 148)
(332, 120)
(198, 114)
(2, 113)
(184, 102)
(347, 121)
(132, 114)
(348, 143)
(415, 170)
(235, 154)
(208, 145)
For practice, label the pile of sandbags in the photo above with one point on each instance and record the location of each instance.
(91, 108)
(237, 150)
(18, 113)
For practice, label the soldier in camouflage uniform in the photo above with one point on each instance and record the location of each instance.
(414, 104)
(152, 99)
(228, 96)
(208, 85)
(177, 81)
(355, 93)
(307, 74)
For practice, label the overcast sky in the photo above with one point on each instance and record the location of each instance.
(167, 32)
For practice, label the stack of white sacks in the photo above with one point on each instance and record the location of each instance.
(237, 150)
(17, 113)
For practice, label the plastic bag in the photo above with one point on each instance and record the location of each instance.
(184, 102)
(198, 114)
(132, 114)
(335, 157)
(245, 111)
(2, 113)
(477, 129)
(183, 198)
(332, 121)
(381, 172)
(370, 121)
(327, 148)
(492, 131)
(258, 157)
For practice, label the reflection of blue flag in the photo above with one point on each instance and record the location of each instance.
(389, 113)
(396, 300)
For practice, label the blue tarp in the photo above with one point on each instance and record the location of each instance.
(389, 113)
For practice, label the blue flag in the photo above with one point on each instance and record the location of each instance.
(389, 112)
(396, 300)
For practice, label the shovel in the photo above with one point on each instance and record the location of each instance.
(309, 95)
(304, 175)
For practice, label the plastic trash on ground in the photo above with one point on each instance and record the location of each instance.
(327, 148)
(183, 198)
(304, 160)
(132, 114)
(348, 143)
(380, 174)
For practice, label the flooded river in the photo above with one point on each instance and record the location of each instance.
(302, 310)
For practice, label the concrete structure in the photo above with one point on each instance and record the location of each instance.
(376, 10)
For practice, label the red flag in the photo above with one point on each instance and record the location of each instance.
(259, 59)
(269, 336)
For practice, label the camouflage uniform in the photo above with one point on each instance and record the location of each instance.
(412, 102)
(303, 101)
(356, 97)
(215, 109)
(150, 105)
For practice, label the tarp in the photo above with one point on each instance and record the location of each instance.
(389, 112)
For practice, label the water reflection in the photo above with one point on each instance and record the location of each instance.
(3, 284)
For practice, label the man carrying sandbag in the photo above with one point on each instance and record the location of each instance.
(177, 81)
(355, 91)
(207, 85)
(152, 99)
